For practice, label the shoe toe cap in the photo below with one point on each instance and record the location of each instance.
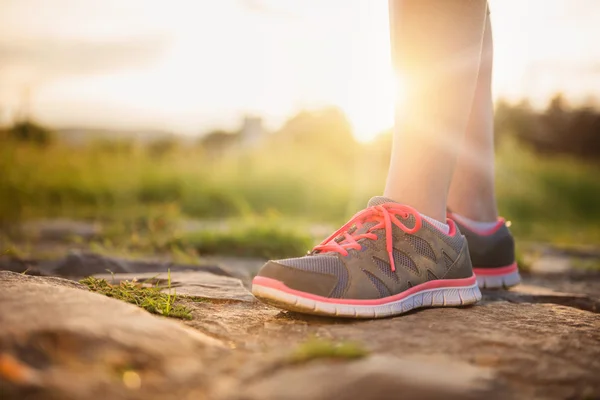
(309, 276)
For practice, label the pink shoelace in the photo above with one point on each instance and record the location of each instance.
(384, 215)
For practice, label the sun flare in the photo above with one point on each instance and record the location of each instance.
(197, 66)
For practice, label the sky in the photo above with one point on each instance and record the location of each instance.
(189, 66)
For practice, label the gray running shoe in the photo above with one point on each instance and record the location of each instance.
(385, 261)
(492, 255)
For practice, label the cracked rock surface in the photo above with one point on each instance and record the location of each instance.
(60, 341)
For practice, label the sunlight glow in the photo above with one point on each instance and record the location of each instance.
(193, 65)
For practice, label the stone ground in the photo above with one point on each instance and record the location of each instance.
(59, 341)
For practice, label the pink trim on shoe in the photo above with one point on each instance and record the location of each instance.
(487, 232)
(451, 228)
(436, 284)
(497, 271)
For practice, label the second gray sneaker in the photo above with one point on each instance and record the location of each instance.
(492, 255)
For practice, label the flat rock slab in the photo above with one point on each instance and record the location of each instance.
(580, 282)
(377, 377)
(60, 341)
(192, 284)
(528, 346)
(79, 264)
(538, 294)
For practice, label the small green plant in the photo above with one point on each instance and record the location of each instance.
(13, 251)
(150, 298)
(170, 299)
(316, 348)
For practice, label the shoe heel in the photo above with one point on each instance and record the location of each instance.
(498, 278)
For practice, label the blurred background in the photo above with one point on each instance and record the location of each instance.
(254, 127)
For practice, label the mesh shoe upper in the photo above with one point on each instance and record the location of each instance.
(368, 268)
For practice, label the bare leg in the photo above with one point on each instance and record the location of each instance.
(472, 190)
(436, 46)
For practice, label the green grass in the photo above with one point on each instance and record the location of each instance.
(269, 197)
(266, 237)
(259, 238)
(548, 199)
(315, 348)
(150, 298)
(100, 184)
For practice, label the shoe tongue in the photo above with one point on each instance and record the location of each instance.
(379, 200)
(375, 201)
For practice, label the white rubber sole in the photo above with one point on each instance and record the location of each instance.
(438, 297)
(499, 281)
